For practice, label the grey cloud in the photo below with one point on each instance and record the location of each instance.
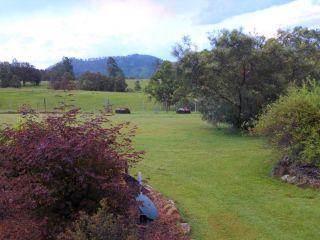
(11, 9)
(219, 10)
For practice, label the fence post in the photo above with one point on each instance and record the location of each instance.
(45, 105)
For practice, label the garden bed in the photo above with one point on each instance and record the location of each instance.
(305, 175)
(170, 225)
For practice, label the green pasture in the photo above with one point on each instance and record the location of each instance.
(220, 179)
(143, 83)
(41, 99)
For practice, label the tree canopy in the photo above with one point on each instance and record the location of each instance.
(11, 75)
(164, 86)
(95, 82)
(61, 75)
(116, 73)
(242, 73)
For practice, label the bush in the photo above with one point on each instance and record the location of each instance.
(292, 125)
(101, 226)
(137, 86)
(95, 82)
(65, 83)
(67, 163)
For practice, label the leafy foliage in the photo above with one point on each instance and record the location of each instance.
(62, 164)
(98, 82)
(11, 75)
(117, 75)
(137, 86)
(95, 82)
(164, 86)
(292, 125)
(25, 72)
(64, 83)
(242, 73)
(101, 226)
(303, 53)
(61, 75)
(113, 69)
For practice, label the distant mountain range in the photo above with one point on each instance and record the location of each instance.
(134, 66)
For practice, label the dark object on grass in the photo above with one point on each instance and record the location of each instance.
(148, 211)
(147, 208)
(123, 110)
(183, 110)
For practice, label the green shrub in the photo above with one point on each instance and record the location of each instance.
(292, 125)
(101, 226)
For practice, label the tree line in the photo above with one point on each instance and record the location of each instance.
(15, 73)
(61, 76)
(240, 74)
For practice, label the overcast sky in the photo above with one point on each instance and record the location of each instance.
(42, 31)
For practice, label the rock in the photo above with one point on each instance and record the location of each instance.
(285, 177)
(291, 179)
(166, 208)
(173, 213)
(185, 228)
(148, 187)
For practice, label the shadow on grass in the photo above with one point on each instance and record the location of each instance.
(226, 130)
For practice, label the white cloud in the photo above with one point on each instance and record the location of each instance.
(264, 22)
(267, 21)
(112, 27)
(47, 37)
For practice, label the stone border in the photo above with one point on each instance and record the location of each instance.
(167, 208)
(305, 175)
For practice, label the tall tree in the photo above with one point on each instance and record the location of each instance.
(61, 75)
(116, 73)
(26, 72)
(164, 86)
(5, 74)
(137, 86)
(113, 69)
(303, 53)
(236, 78)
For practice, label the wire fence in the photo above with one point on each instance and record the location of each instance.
(49, 105)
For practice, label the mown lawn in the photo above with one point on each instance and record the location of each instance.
(220, 179)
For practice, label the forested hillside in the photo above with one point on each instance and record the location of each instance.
(134, 66)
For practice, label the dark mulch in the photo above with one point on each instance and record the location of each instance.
(169, 225)
(303, 175)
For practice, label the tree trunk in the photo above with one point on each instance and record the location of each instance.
(240, 109)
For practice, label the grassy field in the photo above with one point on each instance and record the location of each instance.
(220, 179)
(143, 83)
(130, 82)
(11, 99)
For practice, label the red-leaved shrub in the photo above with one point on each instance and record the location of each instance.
(53, 167)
